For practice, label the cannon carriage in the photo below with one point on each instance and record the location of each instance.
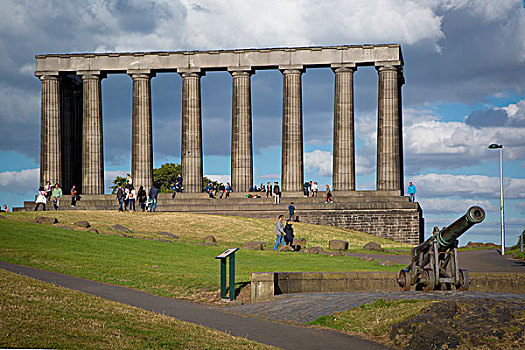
(434, 263)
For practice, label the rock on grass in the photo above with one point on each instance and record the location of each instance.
(46, 220)
(119, 228)
(83, 224)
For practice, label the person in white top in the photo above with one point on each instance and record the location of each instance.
(41, 199)
(132, 195)
(315, 188)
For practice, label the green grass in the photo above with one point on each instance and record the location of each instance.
(177, 269)
(34, 314)
(374, 319)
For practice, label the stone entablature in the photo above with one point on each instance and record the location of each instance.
(232, 60)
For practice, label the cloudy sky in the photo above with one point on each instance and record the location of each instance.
(465, 89)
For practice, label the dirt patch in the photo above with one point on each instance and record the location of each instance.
(466, 324)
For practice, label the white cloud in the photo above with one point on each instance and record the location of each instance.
(452, 205)
(318, 162)
(219, 178)
(467, 186)
(22, 181)
(19, 106)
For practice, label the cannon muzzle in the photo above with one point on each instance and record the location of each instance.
(445, 238)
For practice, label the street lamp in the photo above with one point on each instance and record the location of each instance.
(496, 146)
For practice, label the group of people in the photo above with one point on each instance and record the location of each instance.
(127, 195)
(212, 188)
(283, 233)
(53, 194)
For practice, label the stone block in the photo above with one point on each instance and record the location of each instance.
(210, 239)
(82, 223)
(373, 246)
(167, 234)
(46, 220)
(286, 248)
(93, 230)
(119, 228)
(299, 243)
(313, 250)
(333, 285)
(336, 244)
(253, 245)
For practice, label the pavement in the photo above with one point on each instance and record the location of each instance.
(479, 260)
(286, 336)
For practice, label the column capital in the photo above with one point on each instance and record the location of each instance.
(385, 67)
(141, 73)
(344, 69)
(240, 72)
(191, 72)
(298, 69)
(91, 74)
(48, 77)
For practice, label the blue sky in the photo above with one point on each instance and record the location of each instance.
(465, 88)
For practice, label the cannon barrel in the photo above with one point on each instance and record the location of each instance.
(445, 238)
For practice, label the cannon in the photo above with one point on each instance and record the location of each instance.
(434, 263)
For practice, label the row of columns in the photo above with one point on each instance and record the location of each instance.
(389, 137)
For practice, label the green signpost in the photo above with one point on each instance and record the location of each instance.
(228, 253)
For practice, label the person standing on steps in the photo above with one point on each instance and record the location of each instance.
(48, 190)
(227, 190)
(74, 196)
(291, 211)
(132, 196)
(153, 193)
(269, 190)
(41, 199)
(315, 188)
(411, 192)
(328, 195)
(141, 195)
(279, 232)
(276, 193)
(56, 196)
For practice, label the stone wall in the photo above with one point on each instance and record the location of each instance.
(400, 225)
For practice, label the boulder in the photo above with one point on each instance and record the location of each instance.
(336, 244)
(83, 224)
(299, 243)
(119, 228)
(376, 247)
(313, 250)
(167, 234)
(256, 245)
(286, 248)
(93, 230)
(210, 239)
(338, 253)
(46, 220)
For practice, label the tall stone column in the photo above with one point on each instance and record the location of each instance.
(191, 154)
(50, 145)
(92, 137)
(389, 142)
(343, 176)
(292, 138)
(141, 139)
(241, 151)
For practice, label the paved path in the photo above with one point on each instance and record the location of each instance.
(278, 334)
(481, 260)
(307, 307)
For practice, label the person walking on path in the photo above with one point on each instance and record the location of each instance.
(276, 193)
(328, 195)
(56, 196)
(291, 211)
(411, 192)
(288, 230)
(279, 232)
(153, 193)
(41, 199)
(74, 196)
(120, 197)
(141, 195)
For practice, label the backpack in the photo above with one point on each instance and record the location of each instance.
(120, 193)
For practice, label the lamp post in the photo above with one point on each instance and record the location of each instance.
(496, 146)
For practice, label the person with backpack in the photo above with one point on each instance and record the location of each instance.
(276, 193)
(153, 193)
(74, 196)
(328, 195)
(120, 197)
(141, 195)
(227, 190)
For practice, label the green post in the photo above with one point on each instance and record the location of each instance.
(232, 276)
(223, 278)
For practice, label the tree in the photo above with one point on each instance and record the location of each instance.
(163, 178)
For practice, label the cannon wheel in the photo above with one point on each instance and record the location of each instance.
(464, 280)
(431, 281)
(404, 280)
